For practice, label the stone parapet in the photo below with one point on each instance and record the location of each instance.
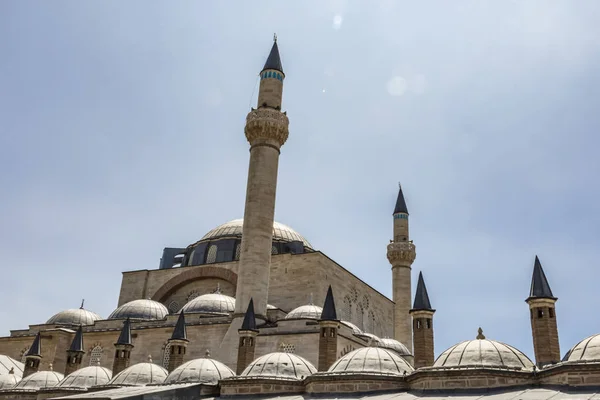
(246, 386)
(353, 383)
(401, 253)
(266, 126)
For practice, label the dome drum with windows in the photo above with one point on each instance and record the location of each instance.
(222, 244)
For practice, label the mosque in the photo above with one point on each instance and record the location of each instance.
(229, 316)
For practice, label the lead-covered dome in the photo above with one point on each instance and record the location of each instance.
(7, 363)
(86, 377)
(145, 309)
(40, 380)
(74, 317)
(355, 329)
(200, 370)
(211, 303)
(141, 374)
(9, 380)
(586, 350)
(483, 353)
(371, 360)
(233, 228)
(371, 339)
(309, 311)
(280, 365)
(393, 344)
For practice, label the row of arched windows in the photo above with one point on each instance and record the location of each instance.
(359, 314)
(272, 74)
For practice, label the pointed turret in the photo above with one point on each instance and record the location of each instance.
(329, 313)
(75, 352)
(274, 61)
(180, 331)
(542, 313)
(247, 338)
(540, 288)
(249, 322)
(33, 356)
(400, 203)
(422, 302)
(125, 336)
(422, 316)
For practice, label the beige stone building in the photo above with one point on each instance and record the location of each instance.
(252, 309)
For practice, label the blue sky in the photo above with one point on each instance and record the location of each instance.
(121, 132)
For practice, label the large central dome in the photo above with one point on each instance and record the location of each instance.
(233, 228)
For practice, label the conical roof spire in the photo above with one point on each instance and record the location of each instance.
(540, 288)
(274, 61)
(125, 336)
(36, 346)
(329, 313)
(77, 343)
(400, 202)
(249, 323)
(180, 332)
(421, 297)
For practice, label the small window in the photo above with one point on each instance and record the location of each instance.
(212, 254)
(540, 313)
(428, 323)
(269, 74)
(418, 324)
(551, 312)
(96, 355)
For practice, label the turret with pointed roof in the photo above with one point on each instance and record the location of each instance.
(422, 316)
(33, 356)
(75, 352)
(542, 314)
(400, 203)
(177, 344)
(247, 339)
(123, 348)
(328, 325)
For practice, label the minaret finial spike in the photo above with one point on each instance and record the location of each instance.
(218, 290)
(82, 301)
(275, 37)
(480, 335)
(311, 299)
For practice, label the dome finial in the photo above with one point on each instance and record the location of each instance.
(149, 358)
(207, 353)
(275, 37)
(310, 299)
(218, 289)
(81, 306)
(50, 367)
(480, 334)
(12, 370)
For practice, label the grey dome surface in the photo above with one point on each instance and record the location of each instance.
(233, 228)
(280, 365)
(393, 344)
(8, 381)
(140, 309)
(355, 329)
(309, 311)
(586, 350)
(211, 303)
(86, 377)
(40, 380)
(74, 316)
(372, 339)
(483, 353)
(373, 360)
(6, 363)
(200, 370)
(140, 374)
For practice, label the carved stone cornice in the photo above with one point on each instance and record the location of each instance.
(401, 253)
(266, 125)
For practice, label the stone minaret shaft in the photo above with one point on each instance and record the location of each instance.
(401, 254)
(33, 356)
(328, 337)
(266, 131)
(542, 313)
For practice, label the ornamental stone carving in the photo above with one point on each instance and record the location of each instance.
(401, 253)
(266, 124)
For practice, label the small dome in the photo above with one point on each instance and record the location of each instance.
(371, 339)
(40, 380)
(371, 360)
(233, 228)
(75, 317)
(309, 311)
(280, 365)
(355, 329)
(8, 381)
(393, 344)
(483, 353)
(200, 370)
(141, 374)
(586, 350)
(141, 309)
(86, 377)
(211, 303)
(7, 363)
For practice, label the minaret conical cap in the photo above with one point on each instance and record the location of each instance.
(540, 288)
(36, 346)
(180, 331)
(249, 323)
(329, 313)
(422, 302)
(400, 202)
(274, 61)
(77, 343)
(125, 336)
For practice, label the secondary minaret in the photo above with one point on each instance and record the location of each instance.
(542, 314)
(422, 315)
(401, 254)
(266, 131)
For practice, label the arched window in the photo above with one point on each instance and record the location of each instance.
(347, 310)
(173, 307)
(370, 323)
(166, 355)
(193, 294)
(212, 254)
(96, 355)
(360, 317)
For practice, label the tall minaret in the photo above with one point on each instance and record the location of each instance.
(401, 254)
(266, 131)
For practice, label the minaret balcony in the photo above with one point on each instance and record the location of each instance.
(402, 253)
